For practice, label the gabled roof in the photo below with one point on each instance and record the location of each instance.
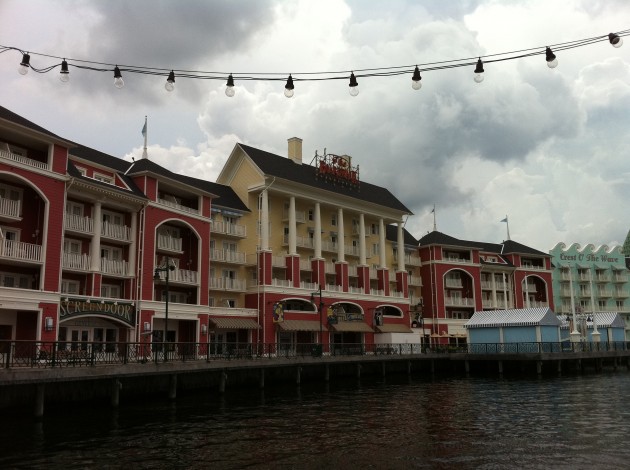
(507, 247)
(513, 317)
(282, 167)
(133, 188)
(391, 234)
(603, 320)
(226, 197)
(19, 120)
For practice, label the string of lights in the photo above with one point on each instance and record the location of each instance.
(615, 39)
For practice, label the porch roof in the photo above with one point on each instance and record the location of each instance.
(393, 328)
(352, 326)
(300, 325)
(234, 324)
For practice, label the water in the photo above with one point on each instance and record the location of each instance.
(490, 423)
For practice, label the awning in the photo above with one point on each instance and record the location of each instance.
(234, 324)
(301, 325)
(353, 326)
(394, 328)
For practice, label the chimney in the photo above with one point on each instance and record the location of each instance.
(295, 149)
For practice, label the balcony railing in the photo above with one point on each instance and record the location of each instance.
(166, 242)
(23, 160)
(227, 256)
(79, 261)
(112, 266)
(118, 232)
(454, 283)
(79, 223)
(226, 228)
(10, 208)
(459, 301)
(20, 250)
(225, 283)
(177, 206)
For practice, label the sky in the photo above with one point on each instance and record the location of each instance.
(548, 148)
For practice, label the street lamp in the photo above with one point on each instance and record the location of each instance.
(166, 268)
(319, 308)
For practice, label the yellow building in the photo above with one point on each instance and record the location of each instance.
(314, 257)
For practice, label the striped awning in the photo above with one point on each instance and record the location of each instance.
(352, 326)
(394, 328)
(301, 325)
(234, 324)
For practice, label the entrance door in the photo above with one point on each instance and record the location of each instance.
(79, 340)
(5, 337)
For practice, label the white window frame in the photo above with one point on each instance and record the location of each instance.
(72, 205)
(66, 285)
(111, 291)
(104, 178)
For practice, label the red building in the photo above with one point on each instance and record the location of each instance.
(88, 239)
(461, 277)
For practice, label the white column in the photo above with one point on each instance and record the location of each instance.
(95, 247)
(575, 334)
(362, 256)
(264, 222)
(595, 335)
(401, 248)
(131, 266)
(341, 255)
(292, 227)
(317, 236)
(381, 243)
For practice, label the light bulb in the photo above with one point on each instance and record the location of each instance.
(118, 81)
(552, 62)
(479, 78)
(479, 71)
(288, 88)
(170, 82)
(64, 75)
(354, 91)
(24, 65)
(416, 84)
(615, 40)
(229, 91)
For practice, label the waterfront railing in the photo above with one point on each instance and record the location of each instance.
(51, 354)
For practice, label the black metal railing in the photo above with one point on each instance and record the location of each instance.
(50, 354)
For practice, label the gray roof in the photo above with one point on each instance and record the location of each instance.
(603, 320)
(513, 317)
(503, 248)
(282, 167)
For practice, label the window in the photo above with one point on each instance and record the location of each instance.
(374, 229)
(72, 246)
(81, 170)
(108, 290)
(74, 208)
(113, 218)
(310, 214)
(12, 193)
(375, 249)
(210, 301)
(333, 220)
(9, 233)
(69, 287)
(111, 253)
(104, 178)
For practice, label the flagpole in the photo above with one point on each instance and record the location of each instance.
(434, 224)
(507, 224)
(144, 133)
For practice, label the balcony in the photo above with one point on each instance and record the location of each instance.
(300, 216)
(459, 302)
(23, 160)
(116, 232)
(20, 251)
(114, 267)
(169, 243)
(180, 276)
(226, 228)
(602, 278)
(604, 293)
(79, 224)
(10, 209)
(178, 206)
(76, 261)
(620, 278)
(226, 283)
(531, 288)
(454, 283)
(228, 256)
(351, 250)
(455, 259)
(621, 293)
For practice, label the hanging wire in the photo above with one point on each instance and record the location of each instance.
(315, 76)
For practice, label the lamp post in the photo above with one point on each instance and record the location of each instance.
(319, 308)
(166, 268)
